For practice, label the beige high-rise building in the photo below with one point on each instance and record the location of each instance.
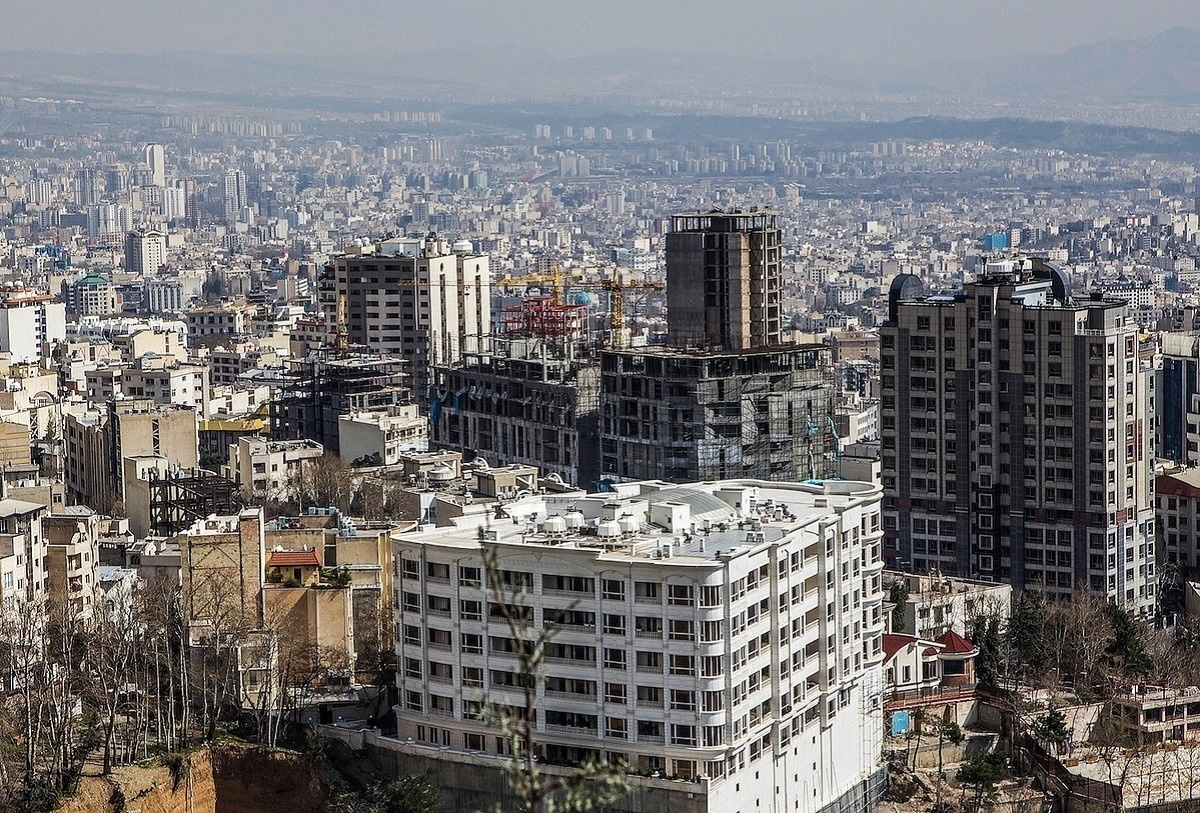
(145, 252)
(724, 280)
(417, 298)
(1017, 426)
(72, 545)
(97, 442)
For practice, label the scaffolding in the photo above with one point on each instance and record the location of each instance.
(317, 391)
(541, 317)
(180, 497)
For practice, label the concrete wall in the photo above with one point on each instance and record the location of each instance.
(474, 782)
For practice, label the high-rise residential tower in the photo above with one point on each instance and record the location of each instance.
(1017, 426)
(145, 252)
(742, 658)
(724, 280)
(156, 159)
(235, 194)
(416, 298)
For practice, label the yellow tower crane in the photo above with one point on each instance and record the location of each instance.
(616, 304)
(343, 332)
(555, 278)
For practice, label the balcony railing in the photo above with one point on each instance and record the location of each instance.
(579, 594)
(570, 729)
(575, 696)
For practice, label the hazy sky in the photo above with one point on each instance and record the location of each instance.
(882, 31)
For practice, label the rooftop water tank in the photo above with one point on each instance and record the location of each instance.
(440, 473)
(608, 529)
(463, 247)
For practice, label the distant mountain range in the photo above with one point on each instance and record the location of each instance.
(1165, 67)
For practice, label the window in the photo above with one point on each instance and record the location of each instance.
(681, 664)
(683, 735)
(681, 631)
(614, 659)
(680, 595)
(648, 626)
(647, 592)
(683, 700)
(650, 697)
(516, 579)
(614, 589)
(568, 584)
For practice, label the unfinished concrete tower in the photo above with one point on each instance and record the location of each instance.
(724, 280)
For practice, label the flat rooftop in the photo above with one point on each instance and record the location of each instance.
(698, 523)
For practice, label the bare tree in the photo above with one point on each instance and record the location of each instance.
(325, 482)
(593, 783)
(111, 654)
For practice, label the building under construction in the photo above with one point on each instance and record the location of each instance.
(181, 497)
(531, 401)
(317, 391)
(684, 416)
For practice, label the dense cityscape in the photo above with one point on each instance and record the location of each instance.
(672, 451)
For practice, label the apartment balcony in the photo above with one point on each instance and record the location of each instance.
(572, 696)
(572, 594)
(590, 630)
(570, 729)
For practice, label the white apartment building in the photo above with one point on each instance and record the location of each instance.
(389, 434)
(22, 552)
(270, 469)
(727, 634)
(934, 605)
(221, 321)
(415, 298)
(29, 320)
(162, 296)
(145, 252)
(156, 159)
(166, 381)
